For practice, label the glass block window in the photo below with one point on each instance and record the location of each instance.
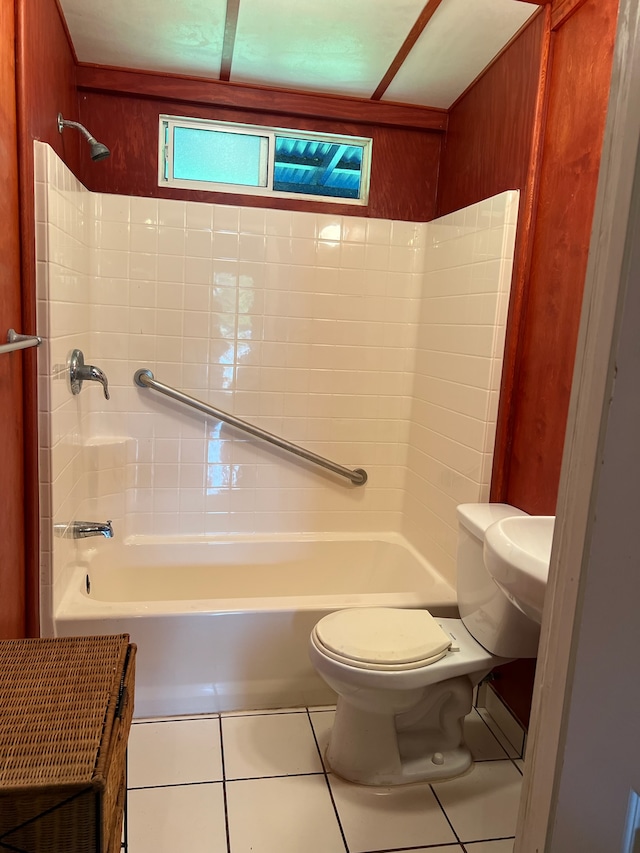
(217, 156)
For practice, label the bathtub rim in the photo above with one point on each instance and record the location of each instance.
(75, 603)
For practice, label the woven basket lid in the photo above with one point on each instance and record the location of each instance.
(53, 696)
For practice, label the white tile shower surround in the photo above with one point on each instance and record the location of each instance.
(254, 782)
(376, 343)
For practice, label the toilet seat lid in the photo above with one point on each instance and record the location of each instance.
(383, 636)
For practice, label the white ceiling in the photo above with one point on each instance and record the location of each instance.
(341, 47)
(460, 41)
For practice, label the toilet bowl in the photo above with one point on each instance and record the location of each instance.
(405, 678)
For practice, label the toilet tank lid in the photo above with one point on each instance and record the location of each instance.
(477, 517)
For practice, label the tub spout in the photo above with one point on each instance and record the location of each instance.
(84, 529)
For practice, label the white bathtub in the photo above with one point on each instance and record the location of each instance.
(223, 624)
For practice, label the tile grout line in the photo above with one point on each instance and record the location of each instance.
(224, 786)
(124, 846)
(176, 785)
(176, 719)
(489, 840)
(513, 761)
(442, 808)
(493, 735)
(265, 712)
(278, 776)
(326, 780)
(458, 844)
(452, 844)
(508, 711)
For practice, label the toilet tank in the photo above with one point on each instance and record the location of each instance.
(489, 616)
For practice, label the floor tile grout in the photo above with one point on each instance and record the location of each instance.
(489, 840)
(262, 713)
(326, 780)
(493, 735)
(452, 844)
(520, 752)
(444, 812)
(458, 844)
(224, 787)
(277, 776)
(176, 785)
(493, 838)
(195, 718)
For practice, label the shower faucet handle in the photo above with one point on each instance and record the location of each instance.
(79, 372)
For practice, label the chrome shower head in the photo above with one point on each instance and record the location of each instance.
(98, 150)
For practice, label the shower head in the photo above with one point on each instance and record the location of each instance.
(98, 150)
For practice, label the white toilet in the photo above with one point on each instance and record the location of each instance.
(405, 678)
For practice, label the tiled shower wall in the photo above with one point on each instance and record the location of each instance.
(324, 329)
(64, 218)
(458, 367)
(301, 323)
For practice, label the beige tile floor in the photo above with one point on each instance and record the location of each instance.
(254, 782)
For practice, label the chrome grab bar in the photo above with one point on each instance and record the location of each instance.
(17, 341)
(144, 378)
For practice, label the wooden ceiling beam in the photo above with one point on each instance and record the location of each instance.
(229, 42)
(197, 90)
(414, 34)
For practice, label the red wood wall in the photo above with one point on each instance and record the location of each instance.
(534, 121)
(488, 142)
(405, 160)
(579, 79)
(12, 544)
(45, 86)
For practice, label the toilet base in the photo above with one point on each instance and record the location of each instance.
(421, 742)
(454, 763)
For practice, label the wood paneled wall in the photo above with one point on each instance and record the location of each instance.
(405, 160)
(579, 79)
(488, 143)
(46, 81)
(45, 86)
(534, 121)
(12, 544)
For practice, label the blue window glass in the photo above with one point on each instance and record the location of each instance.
(225, 158)
(317, 168)
(261, 161)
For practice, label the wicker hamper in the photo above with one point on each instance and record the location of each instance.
(65, 711)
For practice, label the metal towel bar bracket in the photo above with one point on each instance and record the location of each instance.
(16, 341)
(144, 378)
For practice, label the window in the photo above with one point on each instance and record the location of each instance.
(200, 154)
